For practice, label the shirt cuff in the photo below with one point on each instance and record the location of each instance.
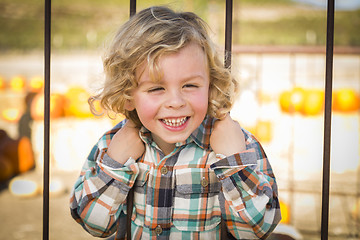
(125, 173)
(115, 165)
(230, 165)
(111, 163)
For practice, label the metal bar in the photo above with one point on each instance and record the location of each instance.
(132, 7)
(227, 64)
(228, 33)
(130, 197)
(327, 120)
(47, 51)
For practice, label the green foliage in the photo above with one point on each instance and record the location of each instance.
(84, 24)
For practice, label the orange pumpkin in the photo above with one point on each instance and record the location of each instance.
(36, 84)
(56, 106)
(17, 83)
(297, 98)
(292, 101)
(26, 155)
(11, 115)
(2, 83)
(284, 101)
(18, 153)
(285, 213)
(313, 102)
(346, 100)
(77, 102)
(263, 131)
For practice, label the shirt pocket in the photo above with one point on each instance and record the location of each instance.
(196, 203)
(140, 194)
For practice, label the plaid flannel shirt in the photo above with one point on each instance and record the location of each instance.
(182, 195)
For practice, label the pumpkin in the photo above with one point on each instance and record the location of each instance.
(56, 106)
(17, 83)
(2, 83)
(285, 213)
(346, 100)
(263, 131)
(313, 102)
(292, 101)
(11, 115)
(24, 188)
(26, 159)
(297, 99)
(355, 210)
(36, 84)
(17, 152)
(284, 101)
(77, 102)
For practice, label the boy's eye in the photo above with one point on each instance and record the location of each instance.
(155, 89)
(190, 86)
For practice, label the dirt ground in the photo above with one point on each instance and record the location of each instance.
(21, 218)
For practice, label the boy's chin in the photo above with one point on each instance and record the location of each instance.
(173, 140)
(176, 140)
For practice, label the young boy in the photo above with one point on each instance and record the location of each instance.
(190, 165)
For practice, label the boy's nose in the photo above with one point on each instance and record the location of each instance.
(175, 100)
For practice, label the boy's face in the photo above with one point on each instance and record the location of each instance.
(173, 107)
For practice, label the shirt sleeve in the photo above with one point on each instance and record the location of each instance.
(249, 192)
(98, 197)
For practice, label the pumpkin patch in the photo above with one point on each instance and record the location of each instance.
(291, 101)
(77, 102)
(11, 115)
(16, 156)
(17, 83)
(346, 100)
(313, 102)
(36, 84)
(310, 102)
(2, 83)
(25, 155)
(56, 106)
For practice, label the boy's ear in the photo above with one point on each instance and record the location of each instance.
(129, 105)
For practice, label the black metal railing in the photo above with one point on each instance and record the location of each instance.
(227, 62)
(47, 54)
(327, 120)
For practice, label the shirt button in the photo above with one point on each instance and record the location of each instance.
(204, 182)
(164, 170)
(158, 230)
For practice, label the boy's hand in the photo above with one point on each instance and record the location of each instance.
(227, 137)
(126, 143)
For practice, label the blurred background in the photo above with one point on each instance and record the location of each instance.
(278, 56)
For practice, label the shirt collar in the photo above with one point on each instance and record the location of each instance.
(201, 135)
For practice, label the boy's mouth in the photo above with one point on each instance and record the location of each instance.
(174, 122)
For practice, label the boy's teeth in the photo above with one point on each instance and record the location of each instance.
(174, 122)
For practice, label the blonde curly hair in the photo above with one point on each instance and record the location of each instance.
(148, 35)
